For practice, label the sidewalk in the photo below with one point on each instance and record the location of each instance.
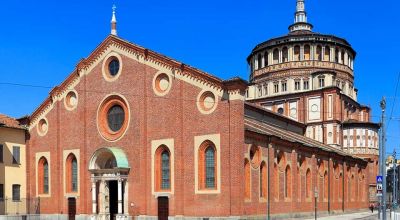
(351, 216)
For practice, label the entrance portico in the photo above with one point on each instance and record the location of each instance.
(109, 170)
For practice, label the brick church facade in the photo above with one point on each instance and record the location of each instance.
(134, 134)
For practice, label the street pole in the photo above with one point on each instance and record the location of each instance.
(316, 196)
(382, 156)
(394, 198)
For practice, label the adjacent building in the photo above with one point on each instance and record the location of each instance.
(12, 166)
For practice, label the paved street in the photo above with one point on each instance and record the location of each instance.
(360, 215)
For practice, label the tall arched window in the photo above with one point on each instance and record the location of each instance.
(337, 55)
(353, 189)
(259, 61)
(163, 168)
(266, 59)
(247, 184)
(71, 173)
(210, 167)
(307, 52)
(327, 56)
(318, 53)
(43, 176)
(263, 180)
(308, 183)
(288, 183)
(285, 54)
(296, 53)
(275, 56)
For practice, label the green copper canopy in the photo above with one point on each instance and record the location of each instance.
(104, 154)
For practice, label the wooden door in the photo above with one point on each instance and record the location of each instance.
(71, 208)
(163, 208)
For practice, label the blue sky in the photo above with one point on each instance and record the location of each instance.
(42, 41)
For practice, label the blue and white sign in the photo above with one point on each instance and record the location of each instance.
(379, 179)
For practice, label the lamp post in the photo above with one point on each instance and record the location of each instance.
(382, 159)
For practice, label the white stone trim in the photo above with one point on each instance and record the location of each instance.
(76, 153)
(169, 143)
(65, 100)
(198, 104)
(154, 84)
(39, 155)
(104, 69)
(198, 140)
(128, 119)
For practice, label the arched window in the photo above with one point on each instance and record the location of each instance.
(288, 183)
(285, 54)
(71, 173)
(259, 61)
(263, 180)
(296, 53)
(210, 167)
(275, 56)
(43, 176)
(162, 168)
(327, 56)
(266, 58)
(165, 170)
(318, 53)
(325, 185)
(342, 57)
(337, 55)
(308, 183)
(307, 52)
(247, 177)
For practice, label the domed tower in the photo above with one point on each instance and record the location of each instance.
(309, 77)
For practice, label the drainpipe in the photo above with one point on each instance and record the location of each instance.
(329, 185)
(343, 176)
(269, 189)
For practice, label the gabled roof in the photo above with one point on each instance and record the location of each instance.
(9, 122)
(146, 54)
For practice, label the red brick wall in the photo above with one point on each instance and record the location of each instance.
(151, 118)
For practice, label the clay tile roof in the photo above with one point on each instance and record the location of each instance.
(266, 129)
(6, 121)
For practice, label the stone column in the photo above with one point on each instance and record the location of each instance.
(323, 54)
(94, 201)
(119, 196)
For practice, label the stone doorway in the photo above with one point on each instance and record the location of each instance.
(109, 173)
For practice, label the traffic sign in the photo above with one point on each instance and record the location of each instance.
(379, 179)
(379, 187)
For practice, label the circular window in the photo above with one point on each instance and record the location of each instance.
(42, 127)
(207, 102)
(71, 100)
(314, 108)
(280, 110)
(113, 66)
(330, 134)
(161, 84)
(113, 117)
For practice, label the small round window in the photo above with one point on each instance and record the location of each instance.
(115, 118)
(113, 66)
(280, 111)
